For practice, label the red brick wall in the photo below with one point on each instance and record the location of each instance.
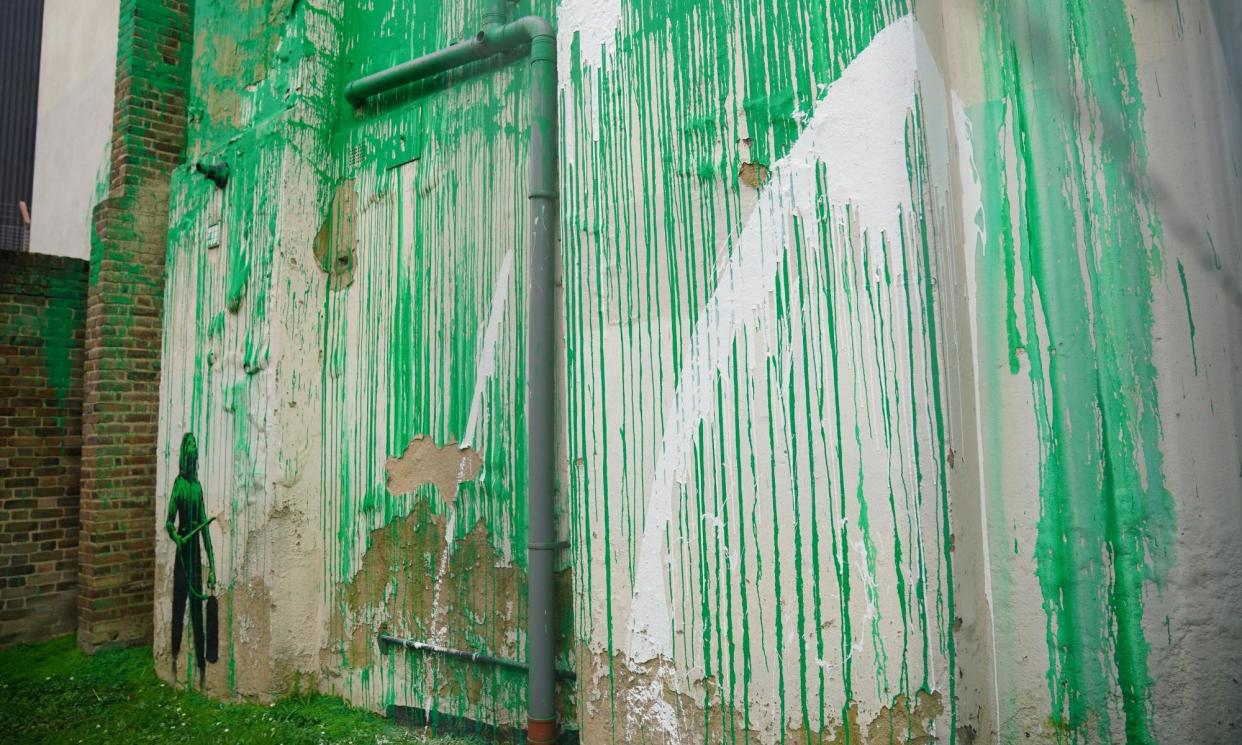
(123, 325)
(42, 333)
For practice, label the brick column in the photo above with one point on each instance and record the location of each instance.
(116, 554)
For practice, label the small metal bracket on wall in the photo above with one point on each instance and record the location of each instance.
(553, 546)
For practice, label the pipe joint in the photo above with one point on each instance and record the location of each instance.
(542, 731)
(525, 30)
(543, 49)
(494, 12)
(534, 27)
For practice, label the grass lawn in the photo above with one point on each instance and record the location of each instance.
(53, 693)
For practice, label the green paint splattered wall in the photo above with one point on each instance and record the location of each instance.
(1100, 170)
(900, 349)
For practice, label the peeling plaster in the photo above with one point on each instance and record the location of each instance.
(423, 462)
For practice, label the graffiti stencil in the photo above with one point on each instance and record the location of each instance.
(188, 526)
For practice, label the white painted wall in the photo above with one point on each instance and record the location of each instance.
(76, 84)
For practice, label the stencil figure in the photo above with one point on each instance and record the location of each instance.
(187, 525)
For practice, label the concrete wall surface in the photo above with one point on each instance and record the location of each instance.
(76, 88)
(899, 386)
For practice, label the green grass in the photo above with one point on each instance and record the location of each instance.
(53, 693)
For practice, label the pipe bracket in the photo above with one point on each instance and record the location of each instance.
(548, 546)
(464, 655)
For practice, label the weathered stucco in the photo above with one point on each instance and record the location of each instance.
(900, 366)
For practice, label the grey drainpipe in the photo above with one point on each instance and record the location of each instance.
(496, 37)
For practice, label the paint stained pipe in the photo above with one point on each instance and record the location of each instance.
(460, 654)
(493, 38)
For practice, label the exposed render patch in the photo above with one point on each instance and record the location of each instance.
(395, 590)
(405, 548)
(425, 462)
(753, 175)
(655, 713)
(336, 242)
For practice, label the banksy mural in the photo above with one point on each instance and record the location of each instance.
(847, 290)
(188, 526)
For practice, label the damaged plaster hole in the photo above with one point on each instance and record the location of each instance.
(753, 175)
(336, 244)
(423, 462)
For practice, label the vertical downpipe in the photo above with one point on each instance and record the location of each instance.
(541, 352)
(495, 37)
(494, 13)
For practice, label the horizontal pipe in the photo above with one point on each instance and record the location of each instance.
(493, 39)
(429, 65)
(461, 654)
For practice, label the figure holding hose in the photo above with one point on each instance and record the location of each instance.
(187, 524)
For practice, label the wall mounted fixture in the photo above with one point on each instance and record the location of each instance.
(217, 173)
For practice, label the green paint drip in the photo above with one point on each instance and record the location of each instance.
(1190, 316)
(1106, 520)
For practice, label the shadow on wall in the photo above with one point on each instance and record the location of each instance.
(1228, 15)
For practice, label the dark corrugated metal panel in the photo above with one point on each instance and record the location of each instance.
(21, 38)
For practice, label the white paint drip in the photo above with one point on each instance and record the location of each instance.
(487, 347)
(858, 132)
(595, 23)
(860, 548)
(972, 226)
(832, 667)
(439, 631)
(486, 367)
(648, 710)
